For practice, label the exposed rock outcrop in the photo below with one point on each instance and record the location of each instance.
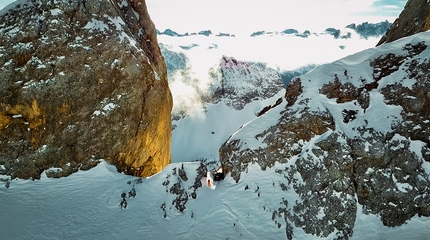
(413, 19)
(80, 81)
(367, 29)
(175, 61)
(240, 82)
(351, 133)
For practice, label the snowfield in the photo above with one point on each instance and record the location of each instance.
(209, 125)
(85, 205)
(176, 203)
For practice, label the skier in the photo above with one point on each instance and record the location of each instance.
(123, 203)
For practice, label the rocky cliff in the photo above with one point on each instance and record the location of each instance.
(413, 19)
(367, 29)
(238, 83)
(351, 133)
(80, 81)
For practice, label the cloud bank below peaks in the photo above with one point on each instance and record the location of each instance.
(247, 15)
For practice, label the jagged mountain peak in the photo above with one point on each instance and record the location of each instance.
(238, 83)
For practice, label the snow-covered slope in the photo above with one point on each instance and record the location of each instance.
(237, 93)
(296, 197)
(201, 125)
(353, 132)
(85, 205)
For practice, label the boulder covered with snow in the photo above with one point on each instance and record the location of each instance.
(81, 81)
(350, 133)
(413, 19)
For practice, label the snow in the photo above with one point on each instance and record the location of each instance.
(370, 227)
(8, 63)
(247, 132)
(97, 112)
(379, 116)
(123, 4)
(369, 171)
(115, 63)
(415, 147)
(12, 33)
(119, 23)
(23, 46)
(109, 107)
(53, 170)
(85, 205)
(366, 146)
(106, 107)
(55, 12)
(281, 52)
(96, 24)
(12, 5)
(402, 187)
(157, 77)
(321, 213)
(203, 133)
(42, 148)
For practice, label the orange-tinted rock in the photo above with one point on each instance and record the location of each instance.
(80, 82)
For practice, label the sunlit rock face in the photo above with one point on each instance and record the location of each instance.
(349, 135)
(82, 81)
(414, 18)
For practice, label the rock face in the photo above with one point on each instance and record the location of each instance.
(370, 29)
(414, 18)
(81, 81)
(352, 134)
(175, 61)
(239, 83)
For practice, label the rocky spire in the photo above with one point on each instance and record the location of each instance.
(80, 81)
(414, 18)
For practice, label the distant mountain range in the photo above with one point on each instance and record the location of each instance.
(206, 33)
(365, 30)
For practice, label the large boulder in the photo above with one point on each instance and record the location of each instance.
(81, 81)
(413, 19)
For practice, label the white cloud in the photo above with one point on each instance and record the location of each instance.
(391, 7)
(254, 15)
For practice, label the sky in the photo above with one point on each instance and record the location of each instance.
(237, 16)
(271, 15)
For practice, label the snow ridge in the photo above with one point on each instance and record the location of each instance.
(344, 125)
